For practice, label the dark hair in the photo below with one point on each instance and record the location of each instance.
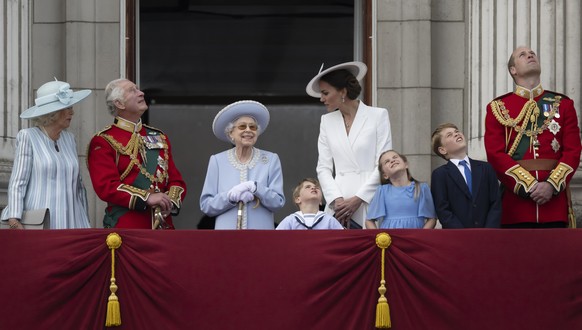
(387, 181)
(341, 79)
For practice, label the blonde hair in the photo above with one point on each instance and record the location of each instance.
(437, 138)
(46, 120)
(297, 189)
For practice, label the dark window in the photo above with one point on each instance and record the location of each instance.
(203, 52)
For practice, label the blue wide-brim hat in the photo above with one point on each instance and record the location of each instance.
(53, 96)
(238, 109)
(358, 69)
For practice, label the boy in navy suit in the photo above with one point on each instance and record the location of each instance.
(465, 191)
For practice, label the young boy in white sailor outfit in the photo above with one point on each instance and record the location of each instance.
(308, 197)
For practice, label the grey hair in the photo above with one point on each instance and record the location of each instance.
(46, 120)
(114, 92)
(230, 126)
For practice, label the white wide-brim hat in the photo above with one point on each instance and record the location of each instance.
(238, 109)
(358, 69)
(53, 96)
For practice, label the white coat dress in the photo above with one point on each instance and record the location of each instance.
(355, 156)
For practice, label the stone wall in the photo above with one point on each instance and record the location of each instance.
(436, 61)
(75, 41)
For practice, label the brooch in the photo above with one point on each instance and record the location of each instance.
(554, 127)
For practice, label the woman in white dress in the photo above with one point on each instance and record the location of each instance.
(352, 136)
(46, 172)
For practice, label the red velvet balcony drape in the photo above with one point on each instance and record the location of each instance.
(436, 279)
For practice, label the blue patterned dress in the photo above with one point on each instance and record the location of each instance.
(44, 177)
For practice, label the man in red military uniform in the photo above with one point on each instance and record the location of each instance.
(131, 165)
(532, 140)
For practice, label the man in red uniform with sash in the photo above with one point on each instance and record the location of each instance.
(532, 140)
(131, 165)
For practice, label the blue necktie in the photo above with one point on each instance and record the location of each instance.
(467, 175)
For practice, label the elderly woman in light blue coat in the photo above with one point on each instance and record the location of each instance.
(244, 184)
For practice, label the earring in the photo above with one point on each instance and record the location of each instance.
(343, 99)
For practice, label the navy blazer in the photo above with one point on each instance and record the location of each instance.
(454, 204)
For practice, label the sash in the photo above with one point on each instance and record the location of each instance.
(150, 163)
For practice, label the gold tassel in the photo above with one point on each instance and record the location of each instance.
(113, 310)
(383, 241)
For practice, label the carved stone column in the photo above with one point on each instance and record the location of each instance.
(14, 89)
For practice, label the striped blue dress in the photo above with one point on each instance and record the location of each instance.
(44, 177)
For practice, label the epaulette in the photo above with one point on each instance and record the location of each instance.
(502, 96)
(108, 127)
(556, 93)
(154, 129)
(89, 144)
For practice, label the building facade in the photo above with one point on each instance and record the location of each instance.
(431, 61)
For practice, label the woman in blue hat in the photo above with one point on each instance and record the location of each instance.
(244, 184)
(46, 171)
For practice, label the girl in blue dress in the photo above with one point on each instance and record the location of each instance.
(400, 201)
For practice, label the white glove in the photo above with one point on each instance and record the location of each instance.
(246, 197)
(250, 185)
(235, 193)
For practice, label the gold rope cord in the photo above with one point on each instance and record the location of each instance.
(134, 146)
(113, 318)
(502, 116)
(383, 241)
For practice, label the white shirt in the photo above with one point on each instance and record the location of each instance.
(460, 167)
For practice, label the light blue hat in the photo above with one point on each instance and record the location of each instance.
(53, 96)
(238, 109)
(358, 69)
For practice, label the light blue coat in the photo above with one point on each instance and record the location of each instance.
(224, 172)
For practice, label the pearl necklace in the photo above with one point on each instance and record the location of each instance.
(48, 135)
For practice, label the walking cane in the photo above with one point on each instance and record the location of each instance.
(239, 215)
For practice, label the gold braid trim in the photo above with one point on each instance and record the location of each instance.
(135, 193)
(558, 176)
(175, 194)
(522, 178)
(502, 115)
